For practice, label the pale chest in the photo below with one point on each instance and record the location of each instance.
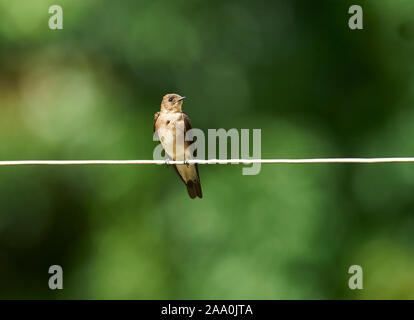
(171, 132)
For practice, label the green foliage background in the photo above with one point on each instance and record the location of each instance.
(292, 68)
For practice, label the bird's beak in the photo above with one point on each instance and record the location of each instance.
(182, 98)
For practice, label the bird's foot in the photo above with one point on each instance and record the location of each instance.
(186, 163)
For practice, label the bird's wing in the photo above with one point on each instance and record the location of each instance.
(156, 118)
(187, 124)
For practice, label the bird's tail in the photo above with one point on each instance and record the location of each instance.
(194, 189)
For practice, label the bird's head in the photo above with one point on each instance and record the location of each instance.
(172, 102)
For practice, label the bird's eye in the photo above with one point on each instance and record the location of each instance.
(170, 99)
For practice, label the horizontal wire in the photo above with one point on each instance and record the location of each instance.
(210, 161)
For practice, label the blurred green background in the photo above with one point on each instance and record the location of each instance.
(292, 68)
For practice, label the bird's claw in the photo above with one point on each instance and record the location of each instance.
(186, 163)
(167, 162)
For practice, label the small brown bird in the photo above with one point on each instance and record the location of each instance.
(171, 125)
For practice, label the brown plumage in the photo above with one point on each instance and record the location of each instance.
(171, 125)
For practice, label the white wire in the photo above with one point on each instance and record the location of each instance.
(210, 161)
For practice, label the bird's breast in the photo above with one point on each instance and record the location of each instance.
(171, 132)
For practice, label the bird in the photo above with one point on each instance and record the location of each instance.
(171, 125)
